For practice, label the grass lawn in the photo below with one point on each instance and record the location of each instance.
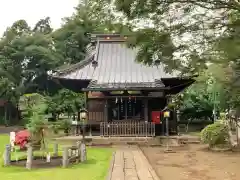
(95, 168)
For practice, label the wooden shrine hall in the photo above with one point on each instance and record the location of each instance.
(123, 97)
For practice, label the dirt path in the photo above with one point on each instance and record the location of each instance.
(131, 164)
(7, 130)
(194, 163)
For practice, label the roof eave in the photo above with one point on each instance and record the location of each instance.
(127, 89)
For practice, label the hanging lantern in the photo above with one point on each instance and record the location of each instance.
(121, 100)
(83, 114)
(116, 100)
(94, 64)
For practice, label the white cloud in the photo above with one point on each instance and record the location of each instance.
(33, 10)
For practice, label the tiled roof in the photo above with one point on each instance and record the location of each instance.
(116, 67)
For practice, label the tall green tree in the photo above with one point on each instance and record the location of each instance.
(24, 56)
(90, 17)
(181, 34)
(210, 93)
(43, 26)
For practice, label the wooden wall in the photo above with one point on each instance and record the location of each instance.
(96, 110)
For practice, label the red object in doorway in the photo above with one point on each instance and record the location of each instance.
(156, 117)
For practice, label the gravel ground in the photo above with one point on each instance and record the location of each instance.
(194, 162)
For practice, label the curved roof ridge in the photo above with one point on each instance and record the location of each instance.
(90, 53)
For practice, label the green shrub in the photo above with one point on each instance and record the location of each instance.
(55, 127)
(66, 125)
(215, 134)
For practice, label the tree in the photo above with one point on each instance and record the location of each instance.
(181, 34)
(24, 56)
(210, 93)
(35, 106)
(73, 37)
(65, 101)
(43, 26)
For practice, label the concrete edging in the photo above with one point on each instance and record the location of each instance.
(151, 168)
(109, 176)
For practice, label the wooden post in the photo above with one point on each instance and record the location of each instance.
(145, 101)
(126, 109)
(83, 152)
(7, 155)
(29, 156)
(65, 157)
(55, 149)
(90, 130)
(106, 111)
(145, 110)
(237, 125)
(48, 159)
(12, 139)
(78, 151)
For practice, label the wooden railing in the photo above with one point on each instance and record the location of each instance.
(127, 129)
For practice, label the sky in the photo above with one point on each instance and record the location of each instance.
(33, 10)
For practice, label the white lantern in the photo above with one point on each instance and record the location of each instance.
(83, 114)
(166, 114)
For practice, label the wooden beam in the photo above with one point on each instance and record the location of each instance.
(113, 97)
(145, 109)
(128, 89)
(106, 111)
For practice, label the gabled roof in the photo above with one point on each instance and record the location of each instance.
(115, 67)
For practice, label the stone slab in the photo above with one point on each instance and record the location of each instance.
(131, 164)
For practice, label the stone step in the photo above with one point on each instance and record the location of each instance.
(156, 141)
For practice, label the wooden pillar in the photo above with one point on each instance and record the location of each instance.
(65, 157)
(238, 130)
(126, 108)
(86, 102)
(78, 153)
(86, 99)
(29, 156)
(174, 120)
(83, 152)
(106, 111)
(145, 101)
(86, 108)
(7, 155)
(55, 149)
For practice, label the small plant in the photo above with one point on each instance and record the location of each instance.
(55, 127)
(215, 134)
(34, 106)
(66, 125)
(36, 127)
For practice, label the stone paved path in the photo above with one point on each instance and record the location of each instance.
(131, 164)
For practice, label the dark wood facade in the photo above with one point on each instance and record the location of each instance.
(136, 110)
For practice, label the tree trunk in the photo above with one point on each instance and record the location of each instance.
(231, 137)
(78, 116)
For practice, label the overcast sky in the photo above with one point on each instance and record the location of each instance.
(33, 10)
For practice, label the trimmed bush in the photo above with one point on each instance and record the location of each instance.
(215, 134)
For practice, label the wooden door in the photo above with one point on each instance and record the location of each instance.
(156, 117)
